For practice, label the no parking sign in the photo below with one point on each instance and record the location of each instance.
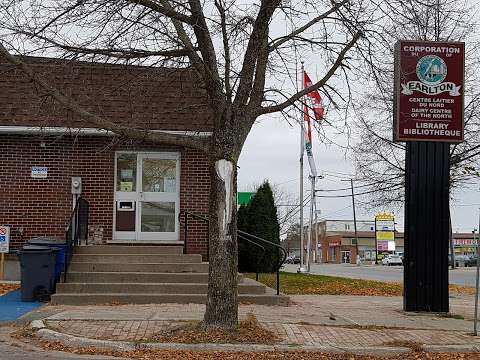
(4, 239)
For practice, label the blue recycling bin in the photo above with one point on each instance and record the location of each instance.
(61, 254)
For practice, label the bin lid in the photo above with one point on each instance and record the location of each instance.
(46, 240)
(37, 248)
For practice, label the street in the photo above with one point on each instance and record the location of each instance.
(460, 276)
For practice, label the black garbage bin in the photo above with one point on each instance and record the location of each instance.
(59, 244)
(37, 264)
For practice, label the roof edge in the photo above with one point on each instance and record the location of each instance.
(55, 130)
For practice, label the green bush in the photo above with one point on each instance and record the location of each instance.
(259, 218)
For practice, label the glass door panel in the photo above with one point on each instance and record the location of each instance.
(159, 196)
(158, 216)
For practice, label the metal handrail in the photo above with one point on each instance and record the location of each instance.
(280, 263)
(76, 230)
(259, 260)
(242, 235)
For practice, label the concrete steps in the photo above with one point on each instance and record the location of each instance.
(123, 274)
(135, 277)
(151, 288)
(139, 267)
(100, 299)
(128, 249)
(137, 258)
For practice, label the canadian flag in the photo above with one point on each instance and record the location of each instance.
(314, 96)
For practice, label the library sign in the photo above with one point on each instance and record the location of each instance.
(429, 86)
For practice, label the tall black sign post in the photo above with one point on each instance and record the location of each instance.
(428, 115)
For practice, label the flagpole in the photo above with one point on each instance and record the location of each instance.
(310, 225)
(301, 268)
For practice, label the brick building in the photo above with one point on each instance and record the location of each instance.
(136, 189)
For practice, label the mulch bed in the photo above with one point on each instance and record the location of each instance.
(249, 331)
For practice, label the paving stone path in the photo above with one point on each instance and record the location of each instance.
(294, 334)
(310, 320)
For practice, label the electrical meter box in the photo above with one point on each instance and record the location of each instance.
(76, 185)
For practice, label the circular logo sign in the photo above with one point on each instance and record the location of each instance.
(431, 70)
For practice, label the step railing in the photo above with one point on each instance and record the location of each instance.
(77, 231)
(241, 236)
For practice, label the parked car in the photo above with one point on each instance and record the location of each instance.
(293, 259)
(450, 262)
(392, 260)
(471, 261)
(460, 260)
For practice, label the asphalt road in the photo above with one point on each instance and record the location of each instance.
(460, 276)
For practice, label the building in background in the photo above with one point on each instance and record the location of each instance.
(336, 242)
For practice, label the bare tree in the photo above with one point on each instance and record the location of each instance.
(379, 161)
(242, 54)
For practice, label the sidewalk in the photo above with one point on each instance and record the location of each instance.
(331, 321)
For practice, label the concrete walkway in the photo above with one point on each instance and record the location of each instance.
(343, 321)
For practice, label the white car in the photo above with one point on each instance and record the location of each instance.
(392, 260)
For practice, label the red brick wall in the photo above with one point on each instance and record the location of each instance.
(42, 206)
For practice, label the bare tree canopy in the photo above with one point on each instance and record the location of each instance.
(378, 160)
(245, 54)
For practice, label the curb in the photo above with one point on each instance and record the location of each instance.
(76, 341)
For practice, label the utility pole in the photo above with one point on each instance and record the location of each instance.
(354, 219)
(310, 225)
(475, 320)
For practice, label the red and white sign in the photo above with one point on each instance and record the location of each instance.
(429, 91)
(335, 243)
(4, 239)
(467, 242)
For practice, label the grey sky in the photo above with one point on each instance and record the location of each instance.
(272, 152)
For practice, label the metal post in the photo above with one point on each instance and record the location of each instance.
(310, 225)
(475, 320)
(185, 229)
(376, 243)
(301, 268)
(354, 219)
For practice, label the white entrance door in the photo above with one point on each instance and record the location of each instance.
(147, 196)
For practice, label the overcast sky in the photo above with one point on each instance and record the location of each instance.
(272, 152)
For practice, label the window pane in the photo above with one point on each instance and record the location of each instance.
(159, 175)
(127, 172)
(158, 216)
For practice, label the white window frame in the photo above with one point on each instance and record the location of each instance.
(137, 236)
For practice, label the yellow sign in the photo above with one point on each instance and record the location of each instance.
(385, 235)
(126, 186)
(385, 216)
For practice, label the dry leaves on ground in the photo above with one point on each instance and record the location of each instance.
(290, 355)
(310, 284)
(5, 288)
(249, 331)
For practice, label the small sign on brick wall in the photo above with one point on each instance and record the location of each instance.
(4, 239)
(39, 172)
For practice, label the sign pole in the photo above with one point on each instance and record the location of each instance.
(2, 266)
(4, 248)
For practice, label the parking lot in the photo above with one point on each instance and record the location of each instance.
(460, 276)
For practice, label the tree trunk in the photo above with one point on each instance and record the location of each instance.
(222, 299)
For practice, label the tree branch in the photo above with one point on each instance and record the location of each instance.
(97, 121)
(113, 52)
(317, 85)
(168, 11)
(275, 44)
(250, 58)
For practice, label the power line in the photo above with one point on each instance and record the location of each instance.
(363, 193)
